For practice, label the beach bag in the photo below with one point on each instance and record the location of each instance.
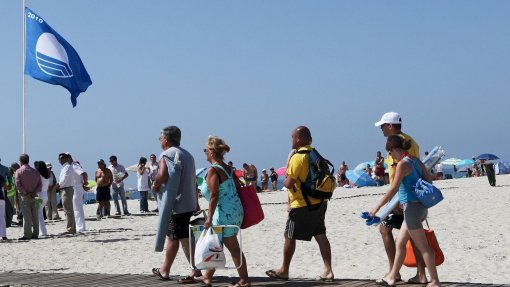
(426, 192)
(320, 182)
(209, 250)
(410, 259)
(253, 213)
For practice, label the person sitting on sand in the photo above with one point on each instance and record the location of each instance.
(409, 169)
(368, 170)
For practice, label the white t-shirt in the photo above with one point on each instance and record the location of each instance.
(143, 181)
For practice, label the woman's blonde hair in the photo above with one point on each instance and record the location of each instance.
(218, 146)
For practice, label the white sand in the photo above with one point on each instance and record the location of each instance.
(472, 226)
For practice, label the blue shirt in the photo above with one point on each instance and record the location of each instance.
(406, 188)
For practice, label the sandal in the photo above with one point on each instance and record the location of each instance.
(273, 275)
(319, 278)
(156, 272)
(187, 280)
(238, 284)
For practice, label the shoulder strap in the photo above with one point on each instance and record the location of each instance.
(410, 162)
(229, 175)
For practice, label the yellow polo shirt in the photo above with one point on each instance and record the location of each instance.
(414, 150)
(298, 169)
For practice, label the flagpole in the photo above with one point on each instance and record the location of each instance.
(23, 139)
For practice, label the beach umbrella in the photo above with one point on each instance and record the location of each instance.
(487, 156)
(465, 162)
(281, 171)
(363, 165)
(239, 173)
(133, 168)
(200, 173)
(360, 178)
(451, 161)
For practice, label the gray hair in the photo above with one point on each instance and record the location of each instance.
(173, 135)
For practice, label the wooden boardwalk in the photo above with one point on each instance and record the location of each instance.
(105, 280)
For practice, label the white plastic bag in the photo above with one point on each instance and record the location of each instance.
(209, 251)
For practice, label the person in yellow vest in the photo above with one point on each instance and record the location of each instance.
(391, 124)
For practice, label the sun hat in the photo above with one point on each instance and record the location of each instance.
(389, 118)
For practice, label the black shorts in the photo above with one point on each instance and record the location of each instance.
(303, 224)
(178, 226)
(103, 193)
(393, 220)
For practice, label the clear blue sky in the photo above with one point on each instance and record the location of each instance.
(249, 72)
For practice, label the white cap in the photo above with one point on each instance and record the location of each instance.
(389, 118)
(264, 169)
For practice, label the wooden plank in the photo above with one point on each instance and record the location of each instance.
(104, 280)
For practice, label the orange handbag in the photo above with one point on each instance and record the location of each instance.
(410, 260)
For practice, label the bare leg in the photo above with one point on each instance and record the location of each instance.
(288, 251)
(421, 276)
(325, 249)
(420, 240)
(185, 249)
(400, 253)
(389, 246)
(233, 247)
(172, 246)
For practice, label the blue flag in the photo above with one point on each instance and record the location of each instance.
(49, 58)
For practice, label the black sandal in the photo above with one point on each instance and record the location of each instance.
(156, 272)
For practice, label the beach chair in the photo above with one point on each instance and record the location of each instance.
(195, 229)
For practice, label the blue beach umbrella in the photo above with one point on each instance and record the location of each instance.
(363, 165)
(465, 162)
(360, 178)
(487, 156)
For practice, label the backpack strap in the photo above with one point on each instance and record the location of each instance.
(308, 178)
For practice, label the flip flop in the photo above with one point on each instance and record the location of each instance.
(414, 280)
(383, 282)
(319, 278)
(187, 280)
(237, 284)
(156, 272)
(273, 275)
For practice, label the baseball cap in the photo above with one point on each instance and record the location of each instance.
(389, 118)
(264, 169)
(101, 161)
(49, 165)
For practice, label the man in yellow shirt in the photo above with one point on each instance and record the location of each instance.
(303, 223)
(391, 124)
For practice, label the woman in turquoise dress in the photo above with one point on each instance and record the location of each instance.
(220, 190)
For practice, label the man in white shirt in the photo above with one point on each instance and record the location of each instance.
(81, 181)
(119, 174)
(66, 184)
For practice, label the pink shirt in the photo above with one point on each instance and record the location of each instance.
(28, 180)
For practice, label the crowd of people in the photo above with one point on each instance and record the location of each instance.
(173, 181)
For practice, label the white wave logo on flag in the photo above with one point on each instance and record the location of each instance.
(52, 56)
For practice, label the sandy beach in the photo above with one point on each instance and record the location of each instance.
(471, 225)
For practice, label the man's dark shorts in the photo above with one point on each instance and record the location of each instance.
(103, 193)
(178, 226)
(303, 223)
(393, 220)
